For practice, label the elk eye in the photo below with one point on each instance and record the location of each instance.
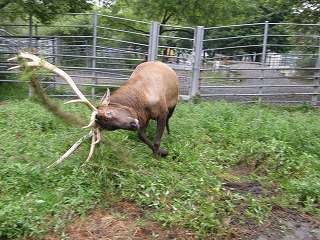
(135, 124)
(109, 114)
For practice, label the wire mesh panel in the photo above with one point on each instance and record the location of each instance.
(176, 49)
(121, 45)
(261, 62)
(96, 50)
(271, 62)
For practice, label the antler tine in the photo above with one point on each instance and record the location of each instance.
(92, 147)
(95, 132)
(92, 120)
(98, 135)
(72, 149)
(38, 62)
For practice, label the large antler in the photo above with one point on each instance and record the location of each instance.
(95, 131)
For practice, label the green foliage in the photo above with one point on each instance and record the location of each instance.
(280, 145)
(192, 12)
(45, 11)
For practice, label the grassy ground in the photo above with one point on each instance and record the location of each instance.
(214, 148)
(9, 91)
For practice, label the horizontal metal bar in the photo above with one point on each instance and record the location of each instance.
(120, 50)
(172, 37)
(276, 101)
(64, 83)
(293, 45)
(98, 70)
(262, 77)
(236, 55)
(123, 31)
(75, 75)
(97, 57)
(55, 26)
(297, 24)
(71, 14)
(177, 26)
(235, 37)
(115, 63)
(14, 25)
(123, 41)
(299, 54)
(121, 18)
(46, 37)
(258, 86)
(40, 45)
(238, 25)
(161, 55)
(266, 69)
(84, 68)
(163, 46)
(294, 35)
(233, 47)
(255, 94)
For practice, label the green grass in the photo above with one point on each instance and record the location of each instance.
(13, 91)
(186, 189)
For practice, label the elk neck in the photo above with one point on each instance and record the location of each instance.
(133, 101)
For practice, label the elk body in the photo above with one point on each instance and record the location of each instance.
(150, 93)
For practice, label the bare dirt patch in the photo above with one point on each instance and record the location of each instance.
(244, 188)
(123, 221)
(282, 224)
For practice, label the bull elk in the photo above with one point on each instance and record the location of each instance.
(150, 93)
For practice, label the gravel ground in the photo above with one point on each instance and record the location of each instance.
(271, 77)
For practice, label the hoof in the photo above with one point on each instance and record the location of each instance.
(163, 152)
(160, 153)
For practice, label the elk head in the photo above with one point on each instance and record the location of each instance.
(102, 117)
(113, 117)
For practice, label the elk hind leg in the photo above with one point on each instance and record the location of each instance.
(161, 123)
(168, 117)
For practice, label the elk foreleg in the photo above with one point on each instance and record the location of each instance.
(161, 123)
(143, 136)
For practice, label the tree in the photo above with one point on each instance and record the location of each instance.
(306, 11)
(185, 12)
(45, 10)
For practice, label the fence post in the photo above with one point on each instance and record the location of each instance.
(30, 48)
(265, 42)
(316, 80)
(153, 41)
(94, 55)
(316, 84)
(197, 51)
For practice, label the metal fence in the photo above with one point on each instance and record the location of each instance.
(260, 62)
(272, 62)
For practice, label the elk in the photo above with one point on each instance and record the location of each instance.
(150, 93)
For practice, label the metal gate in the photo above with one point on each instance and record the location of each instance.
(259, 62)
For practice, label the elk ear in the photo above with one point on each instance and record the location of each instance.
(105, 100)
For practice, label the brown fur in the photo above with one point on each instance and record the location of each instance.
(150, 93)
(151, 90)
